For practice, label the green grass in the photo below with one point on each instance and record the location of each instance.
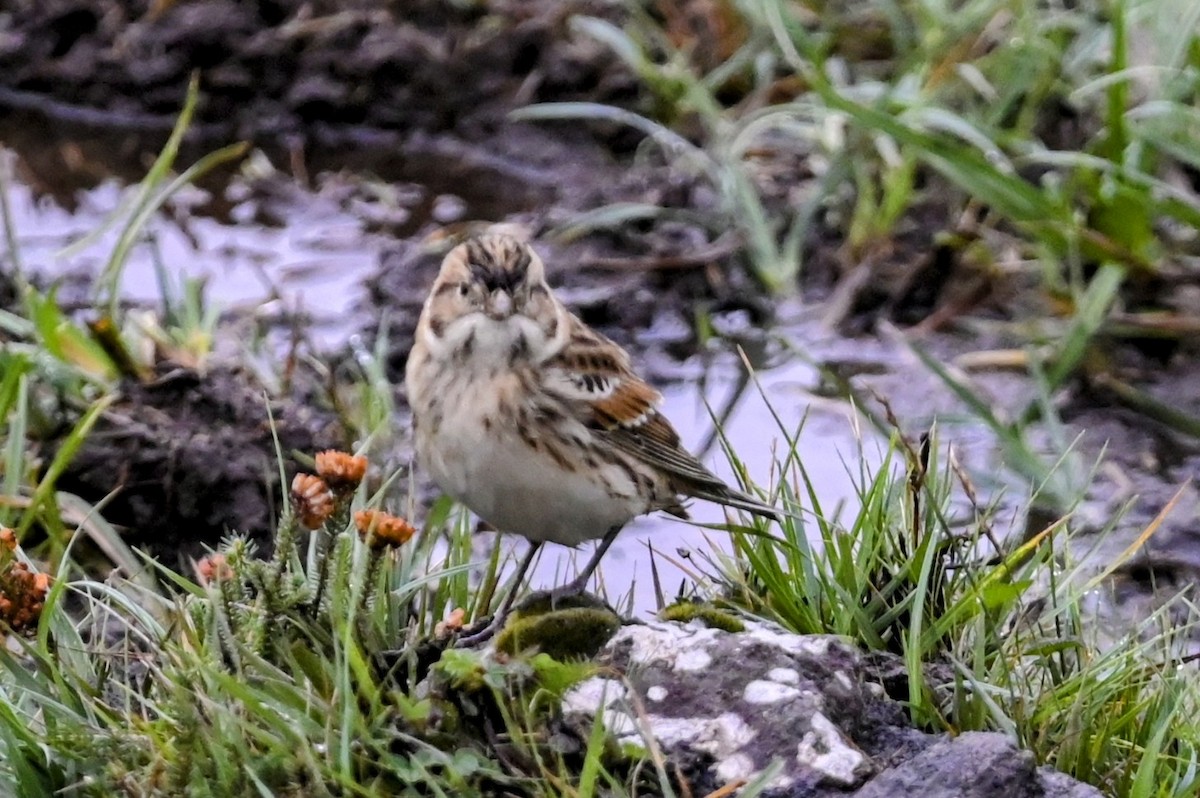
(994, 634)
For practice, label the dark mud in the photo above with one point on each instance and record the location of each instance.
(189, 459)
(279, 68)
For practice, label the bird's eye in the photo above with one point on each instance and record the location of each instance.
(463, 289)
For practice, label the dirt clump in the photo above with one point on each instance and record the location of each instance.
(189, 458)
(278, 66)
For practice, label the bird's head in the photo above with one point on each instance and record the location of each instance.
(493, 286)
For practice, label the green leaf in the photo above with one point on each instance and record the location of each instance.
(66, 341)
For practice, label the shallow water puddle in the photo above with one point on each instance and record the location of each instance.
(314, 265)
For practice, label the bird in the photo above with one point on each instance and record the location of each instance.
(534, 421)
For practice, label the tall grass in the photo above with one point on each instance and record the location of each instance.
(994, 633)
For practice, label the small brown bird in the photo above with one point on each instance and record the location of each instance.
(536, 422)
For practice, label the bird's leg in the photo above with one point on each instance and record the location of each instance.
(484, 632)
(580, 582)
(506, 605)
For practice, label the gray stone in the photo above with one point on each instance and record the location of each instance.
(1060, 785)
(974, 765)
(727, 705)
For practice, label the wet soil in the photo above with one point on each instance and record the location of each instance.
(189, 459)
(382, 135)
(279, 68)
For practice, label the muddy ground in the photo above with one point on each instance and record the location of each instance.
(405, 104)
(280, 68)
(190, 458)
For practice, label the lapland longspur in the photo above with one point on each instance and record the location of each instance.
(536, 422)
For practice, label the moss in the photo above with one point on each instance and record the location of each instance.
(685, 611)
(557, 677)
(564, 633)
(463, 670)
(632, 752)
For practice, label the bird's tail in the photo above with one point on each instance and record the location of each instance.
(733, 498)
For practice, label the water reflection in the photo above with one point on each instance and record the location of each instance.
(314, 265)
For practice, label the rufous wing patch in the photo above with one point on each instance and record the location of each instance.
(595, 371)
(595, 377)
(631, 403)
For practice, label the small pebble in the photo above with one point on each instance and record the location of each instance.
(448, 208)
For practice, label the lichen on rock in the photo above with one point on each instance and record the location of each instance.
(744, 699)
(726, 706)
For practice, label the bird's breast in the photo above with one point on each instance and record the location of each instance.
(482, 443)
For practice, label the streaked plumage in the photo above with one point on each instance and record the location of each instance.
(533, 420)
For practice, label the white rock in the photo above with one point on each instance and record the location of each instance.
(813, 645)
(738, 767)
(761, 691)
(824, 749)
(694, 660)
(784, 675)
(662, 642)
(672, 731)
(684, 672)
(611, 696)
(588, 696)
(721, 736)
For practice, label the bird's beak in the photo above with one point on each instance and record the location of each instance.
(499, 305)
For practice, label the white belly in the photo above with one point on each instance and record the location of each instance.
(520, 490)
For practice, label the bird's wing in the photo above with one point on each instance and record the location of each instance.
(595, 376)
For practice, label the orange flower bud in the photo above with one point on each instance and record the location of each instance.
(213, 568)
(453, 623)
(311, 500)
(342, 472)
(22, 596)
(383, 530)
